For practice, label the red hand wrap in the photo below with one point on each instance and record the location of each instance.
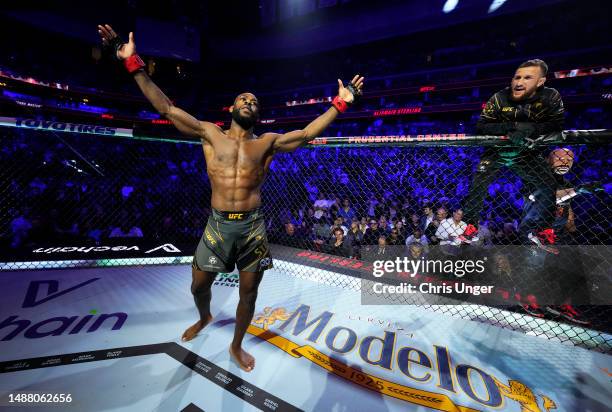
(548, 235)
(133, 63)
(340, 104)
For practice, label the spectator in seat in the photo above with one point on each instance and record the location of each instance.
(416, 251)
(372, 233)
(339, 222)
(432, 228)
(292, 238)
(372, 203)
(428, 216)
(321, 228)
(346, 211)
(321, 204)
(338, 245)
(394, 238)
(384, 225)
(401, 230)
(450, 229)
(20, 227)
(379, 252)
(355, 239)
(363, 225)
(417, 237)
(508, 235)
(414, 223)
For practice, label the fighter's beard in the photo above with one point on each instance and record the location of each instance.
(245, 122)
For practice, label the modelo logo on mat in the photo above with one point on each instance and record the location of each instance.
(42, 291)
(167, 247)
(419, 365)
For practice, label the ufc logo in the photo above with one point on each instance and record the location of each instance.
(235, 216)
(210, 238)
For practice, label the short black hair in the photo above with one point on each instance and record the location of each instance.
(536, 62)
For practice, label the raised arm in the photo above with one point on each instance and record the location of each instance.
(183, 121)
(290, 141)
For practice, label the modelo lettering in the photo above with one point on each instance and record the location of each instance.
(379, 351)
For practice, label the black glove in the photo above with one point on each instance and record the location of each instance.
(522, 131)
(356, 93)
(112, 46)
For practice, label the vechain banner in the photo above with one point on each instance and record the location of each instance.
(111, 249)
(55, 126)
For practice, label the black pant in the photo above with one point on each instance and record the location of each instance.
(538, 214)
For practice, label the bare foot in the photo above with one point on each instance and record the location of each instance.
(194, 329)
(245, 361)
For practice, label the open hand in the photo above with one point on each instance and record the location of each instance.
(109, 37)
(345, 94)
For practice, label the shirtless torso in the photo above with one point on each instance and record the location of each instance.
(237, 169)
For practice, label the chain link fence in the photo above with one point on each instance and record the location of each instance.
(80, 200)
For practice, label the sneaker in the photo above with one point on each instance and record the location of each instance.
(469, 235)
(538, 241)
(547, 236)
(470, 231)
(569, 313)
(533, 309)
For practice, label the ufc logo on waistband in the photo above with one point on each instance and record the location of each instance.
(235, 216)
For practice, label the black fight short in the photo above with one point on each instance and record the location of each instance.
(233, 238)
